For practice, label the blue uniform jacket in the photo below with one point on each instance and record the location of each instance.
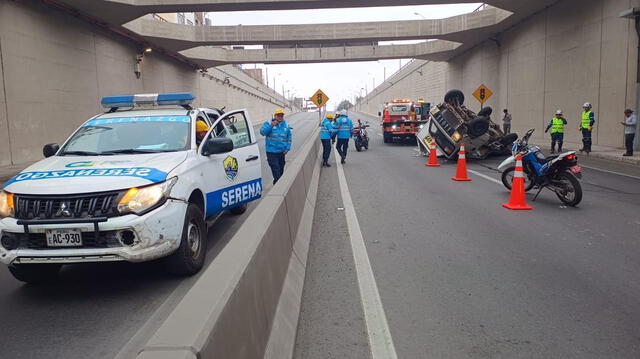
(344, 127)
(327, 131)
(278, 137)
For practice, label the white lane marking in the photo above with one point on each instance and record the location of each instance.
(380, 340)
(379, 134)
(485, 177)
(612, 172)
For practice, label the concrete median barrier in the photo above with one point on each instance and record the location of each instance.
(246, 303)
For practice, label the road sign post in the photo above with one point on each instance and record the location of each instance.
(482, 94)
(320, 100)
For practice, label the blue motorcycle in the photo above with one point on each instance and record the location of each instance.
(557, 173)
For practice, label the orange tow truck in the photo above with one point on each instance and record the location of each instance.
(402, 119)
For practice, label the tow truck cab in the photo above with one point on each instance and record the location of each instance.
(402, 119)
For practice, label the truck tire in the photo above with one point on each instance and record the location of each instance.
(478, 126)
(35, 273)
(188, 259)
(508, 139)
(238, 210)
(454, 97)
(386, 138)
(485, 112)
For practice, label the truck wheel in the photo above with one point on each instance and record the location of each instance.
(238, 210)
(478, 126)
(485, 112)
(509, 139)
(34, 273)
(454, 97)
(188, 259)
(386, 138)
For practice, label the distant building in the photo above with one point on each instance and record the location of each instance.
(298, 102)
(256, 74)
(185, 18)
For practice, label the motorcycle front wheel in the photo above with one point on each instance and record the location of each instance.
(358, 146)
(569, 191)
(507, 179)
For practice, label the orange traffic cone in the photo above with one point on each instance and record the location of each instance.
(433, 157)
(517, 200)
(461, 171)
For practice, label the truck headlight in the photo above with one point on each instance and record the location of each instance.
(140, 199)
(456, 136)
(7, 208)
(394, 127)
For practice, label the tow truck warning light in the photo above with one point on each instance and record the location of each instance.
(164, 99)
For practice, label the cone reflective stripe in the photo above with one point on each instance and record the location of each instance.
(433, 157)
(461, 171)
(517, 200)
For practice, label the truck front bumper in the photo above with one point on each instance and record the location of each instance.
(156, 234)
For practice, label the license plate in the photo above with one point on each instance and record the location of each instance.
(576, 169)
(63, 237)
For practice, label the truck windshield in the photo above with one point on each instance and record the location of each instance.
(130, 135)
(399, 109)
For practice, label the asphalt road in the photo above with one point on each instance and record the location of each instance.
(461, 277)
(98, 310)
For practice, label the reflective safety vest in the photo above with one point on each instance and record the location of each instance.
(586, 119)
(278, 137)
(326, 131)
(557, 125)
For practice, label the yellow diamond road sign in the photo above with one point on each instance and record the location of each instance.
(482, 94)
(319, 98)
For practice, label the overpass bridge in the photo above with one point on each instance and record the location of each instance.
(377, 258)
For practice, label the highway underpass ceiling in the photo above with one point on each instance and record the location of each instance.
(468, 30)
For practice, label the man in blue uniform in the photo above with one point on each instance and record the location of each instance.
(344, 127)
(326, 134)
(277, 143)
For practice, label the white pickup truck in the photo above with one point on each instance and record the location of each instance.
(130, 185)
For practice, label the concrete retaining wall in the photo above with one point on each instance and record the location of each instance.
(255, 283)
(55, 68)
(574, 52)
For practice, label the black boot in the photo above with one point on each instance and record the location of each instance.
(342, 160)
(327, 164)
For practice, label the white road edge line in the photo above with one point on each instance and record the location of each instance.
(485, 177)
(612, 172)
(380, 341)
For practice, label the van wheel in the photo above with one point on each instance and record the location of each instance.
(35, 273)
(238, 210)
(478, 126)
(188, 259)
(454, 97)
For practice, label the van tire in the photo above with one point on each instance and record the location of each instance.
(188, 259)
(238, 210)
(478, 126)
(454, 97)
(35, 273)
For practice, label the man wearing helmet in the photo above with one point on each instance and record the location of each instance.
(277, 143)
(344, 127)
(586, 126)
(201, 130)
(557, 131)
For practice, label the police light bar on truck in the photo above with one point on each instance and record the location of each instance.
(183, 99)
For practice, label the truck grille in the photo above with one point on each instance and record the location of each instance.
(68, 206)
(106, 239)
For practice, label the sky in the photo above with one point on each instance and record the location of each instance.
(339, 81)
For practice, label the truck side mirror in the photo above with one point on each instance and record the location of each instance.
(50, 149)
(217, 145)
